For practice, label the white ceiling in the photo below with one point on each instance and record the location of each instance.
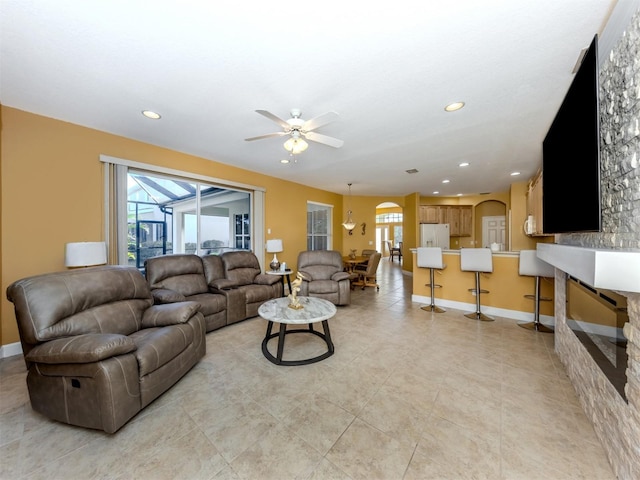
(388, 70)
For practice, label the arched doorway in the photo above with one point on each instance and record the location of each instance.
(491, 224)
(389, 219)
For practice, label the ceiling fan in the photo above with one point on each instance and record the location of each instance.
(299, 129)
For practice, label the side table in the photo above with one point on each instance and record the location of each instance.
(283, 274)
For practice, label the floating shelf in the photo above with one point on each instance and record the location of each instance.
(600, 268)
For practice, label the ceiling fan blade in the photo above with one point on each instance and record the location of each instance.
(325, 139)
(268, 135)
(319, 121)
(274, 118)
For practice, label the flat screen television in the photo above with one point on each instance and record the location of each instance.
(571, 156)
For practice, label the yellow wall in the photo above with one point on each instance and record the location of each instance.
(364, 211)
(52, 193)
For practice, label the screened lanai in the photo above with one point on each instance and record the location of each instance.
(168, 214)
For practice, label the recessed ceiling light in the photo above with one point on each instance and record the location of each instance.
(412, 170)
(436, 192)
(446, 181)
(150, 114)
(463, 164)
(514, 174)
(459, 195)
(284, 160)
(452, 107)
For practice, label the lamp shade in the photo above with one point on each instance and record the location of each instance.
(85, 254)
(274, 246)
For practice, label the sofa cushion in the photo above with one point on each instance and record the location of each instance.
(157, 346)
(162, 295)
(213, 268)
(183, 273)
(323, 286)
(81, 349)
(187, 284)
(241, 267)
(170, 314)
(108, 299)
(210, 303)
(257, 293)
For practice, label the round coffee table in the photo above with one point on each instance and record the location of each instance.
(314, 310)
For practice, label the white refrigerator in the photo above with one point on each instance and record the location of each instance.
(435, 235)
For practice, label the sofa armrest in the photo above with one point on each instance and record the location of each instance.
(223, 284)
(164, 295)
(340, 276)
(169, 314)
(265, 279)
(87, 348)
(306, 276)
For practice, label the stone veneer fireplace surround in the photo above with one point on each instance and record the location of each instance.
(610, 259)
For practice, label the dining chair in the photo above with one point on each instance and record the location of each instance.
(394, 250)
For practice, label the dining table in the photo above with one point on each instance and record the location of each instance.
(351, 262)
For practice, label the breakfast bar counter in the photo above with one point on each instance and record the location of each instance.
(506, 287)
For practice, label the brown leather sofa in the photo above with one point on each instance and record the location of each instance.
(181, 277)
(96, 348)
(324, 276)
(230, 287)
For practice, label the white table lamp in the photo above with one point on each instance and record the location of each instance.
(85, 254)
(274, 246)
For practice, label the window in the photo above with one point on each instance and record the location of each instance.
(150, 213)
(171, 215)
(389, 218)
(243, 231)
(319, 226)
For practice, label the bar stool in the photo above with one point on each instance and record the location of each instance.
(530, 265)
(477, 260)
(431, 258)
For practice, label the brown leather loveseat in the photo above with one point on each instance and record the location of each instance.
(229, 287)
(97, 350)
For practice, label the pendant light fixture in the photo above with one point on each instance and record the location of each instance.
(349, 224)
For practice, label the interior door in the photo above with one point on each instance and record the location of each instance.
(493, 230)
(382, 235)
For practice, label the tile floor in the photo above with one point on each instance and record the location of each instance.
(407, 395)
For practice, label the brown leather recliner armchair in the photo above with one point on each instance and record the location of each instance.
(324, 276)
(243, 269)
(180, 277)
(96, 348)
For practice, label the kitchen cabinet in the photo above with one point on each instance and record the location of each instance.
(453, 219)
(429, 214)
(466, 223)
(459, 217)
(534, 206)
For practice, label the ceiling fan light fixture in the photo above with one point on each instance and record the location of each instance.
(295, 145)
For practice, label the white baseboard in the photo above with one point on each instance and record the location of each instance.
(498, 312)
(10, 350)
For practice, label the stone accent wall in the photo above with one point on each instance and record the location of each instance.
(616, 422)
